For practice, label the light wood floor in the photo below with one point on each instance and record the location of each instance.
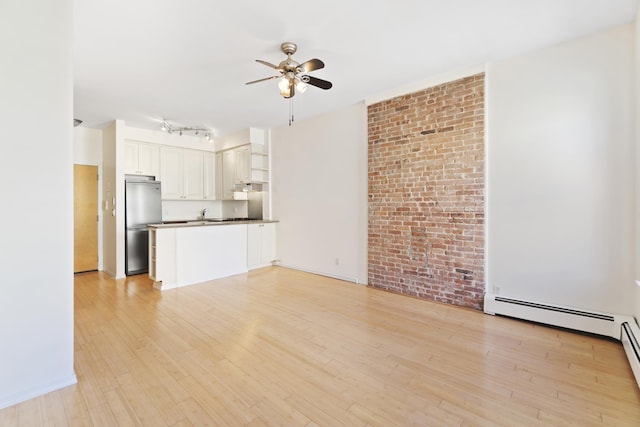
(281, 347)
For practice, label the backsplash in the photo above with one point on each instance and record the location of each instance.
(175, 210)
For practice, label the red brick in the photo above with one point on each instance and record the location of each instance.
(426, 188)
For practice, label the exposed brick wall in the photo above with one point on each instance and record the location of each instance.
(426, 193)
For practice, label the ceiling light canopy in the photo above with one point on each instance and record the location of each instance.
(180, 130)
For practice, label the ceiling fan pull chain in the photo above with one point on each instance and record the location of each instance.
(290, 111)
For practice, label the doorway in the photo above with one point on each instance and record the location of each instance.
(85, 218)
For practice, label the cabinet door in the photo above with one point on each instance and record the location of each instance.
(253, 245)
(261, 245)
(193, 174)
(243, 168)
(267, 243)
(148, 159)
(209, 165)
(219, 177)
(130, 158)
(171, 173)
(228, 174)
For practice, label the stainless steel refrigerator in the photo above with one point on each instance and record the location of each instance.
(143, 206)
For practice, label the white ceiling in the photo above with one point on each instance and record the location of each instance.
(187, 61)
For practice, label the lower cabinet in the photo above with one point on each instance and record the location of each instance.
(182, 256)
(261, 245)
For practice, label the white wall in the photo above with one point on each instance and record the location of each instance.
(87, 146)
(637, 190)
(36, 169)
(319, 174)
(560, 176)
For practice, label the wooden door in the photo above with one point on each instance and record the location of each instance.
(85, 218)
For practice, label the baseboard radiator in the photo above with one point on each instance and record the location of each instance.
(620, 327)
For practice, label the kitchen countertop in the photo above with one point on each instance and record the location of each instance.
(208, 222)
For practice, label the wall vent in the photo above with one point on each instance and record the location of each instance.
(629, 337)
(565, 317)
(606, 317)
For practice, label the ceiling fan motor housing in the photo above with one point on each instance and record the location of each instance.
(289, 48)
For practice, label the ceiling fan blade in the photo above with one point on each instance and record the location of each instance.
(262, 80)
(313, 81)
(310, 65)
(268, 64)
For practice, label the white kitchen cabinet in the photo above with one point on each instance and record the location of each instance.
(219, 177)
(171, 173)
(210, 182)
(181, 174)
(228, 174)
(240, 165)
(261, 245)
(193, 174)
(243, 164)
(187, 255)
(140, 158)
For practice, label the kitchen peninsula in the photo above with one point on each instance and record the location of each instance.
(183, 253)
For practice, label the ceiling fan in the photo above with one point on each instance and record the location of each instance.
(292, 74)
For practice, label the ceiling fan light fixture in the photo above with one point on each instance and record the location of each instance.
(300, 86)
(283, 84)
(286, 92)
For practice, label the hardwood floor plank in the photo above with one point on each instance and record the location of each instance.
(75, 407)
(283, 347)
(30, 413)
(10, 416)
(52, 407)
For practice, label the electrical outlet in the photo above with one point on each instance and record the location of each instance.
(496, 290)
(337, 261)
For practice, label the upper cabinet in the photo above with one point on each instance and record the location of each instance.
(193, 174)
(219, 176)
(241, 165)
(141, 158)
(210, 182)
(228, 174)
(198, 174)
(181, 174)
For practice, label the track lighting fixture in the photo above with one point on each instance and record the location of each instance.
(204, 132)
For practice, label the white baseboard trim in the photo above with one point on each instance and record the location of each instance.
(23, 396)
(319, 273)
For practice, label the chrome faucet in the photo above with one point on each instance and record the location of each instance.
(202, 213)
